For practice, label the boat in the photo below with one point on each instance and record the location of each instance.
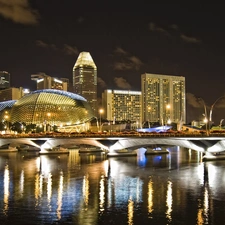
(8, 148)
(214, 156)
(156, 150)
(56, 150)
(122, 152)
(28, 148)
(89, 149)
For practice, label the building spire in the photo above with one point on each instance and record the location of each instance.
(85, 59)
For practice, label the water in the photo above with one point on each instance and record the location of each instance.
(90, 189)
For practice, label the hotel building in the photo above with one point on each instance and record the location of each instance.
(122, 105)
(85, 79)
(163, 98)
(47, 82)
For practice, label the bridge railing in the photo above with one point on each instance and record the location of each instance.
(114, 134)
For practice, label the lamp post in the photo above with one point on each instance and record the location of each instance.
(206, 117)
(49, 121)
(211, 109)
(100, 118)
(97, 123)
(167, 117)
(221, 122)
(149, 121)
(6, 117)
(210, 112)
(110, 116)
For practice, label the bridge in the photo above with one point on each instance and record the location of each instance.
(113, 144)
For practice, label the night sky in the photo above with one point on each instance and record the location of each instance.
(125, 41)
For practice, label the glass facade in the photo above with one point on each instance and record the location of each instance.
(55, 107)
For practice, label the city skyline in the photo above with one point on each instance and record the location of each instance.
(124, 41)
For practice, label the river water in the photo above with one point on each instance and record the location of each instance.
(91, 189)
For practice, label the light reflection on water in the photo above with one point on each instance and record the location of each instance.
(92, 189)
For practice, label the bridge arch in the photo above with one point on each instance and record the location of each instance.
(201, 144)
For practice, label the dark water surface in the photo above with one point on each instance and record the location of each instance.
(90, 189)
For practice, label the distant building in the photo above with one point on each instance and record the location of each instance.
(47, 82)
(85, 79)
(4, 80)
(122, 105)
(12, 93)
(163, 98)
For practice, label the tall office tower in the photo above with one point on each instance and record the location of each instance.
(47, 82)
(163, 98)
(122, 105)
(4, 80)
(85, 79)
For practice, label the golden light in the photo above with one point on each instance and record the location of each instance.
(169, 201)
(100, 112)
(6, 117)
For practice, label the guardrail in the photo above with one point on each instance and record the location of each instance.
(114, 134)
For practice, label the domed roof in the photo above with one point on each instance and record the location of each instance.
(6, 104)
(52, 106)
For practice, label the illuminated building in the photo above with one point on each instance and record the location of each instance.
(121, 105)
(65, 110)
(85, 79)
(12, 93)
(163, 98)
(4, 80)
(47, 82)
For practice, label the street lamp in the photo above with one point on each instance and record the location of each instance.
(49, 120)
(97, 123)
(100, 121)
(110, 116)
(6, 117)
(211, 109)
(167, 117)
(221, 122)
(206, 117)
(149, 121)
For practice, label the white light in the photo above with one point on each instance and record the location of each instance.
(40, 80)
(127, 92)
(56, 80)
(26, 91)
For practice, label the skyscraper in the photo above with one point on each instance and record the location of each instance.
(85, 79)
(163, 98)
